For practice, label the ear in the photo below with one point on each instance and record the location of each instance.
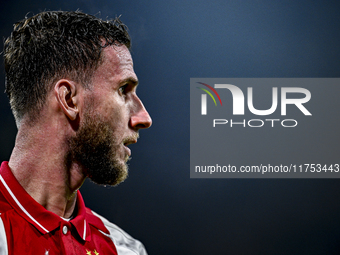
(67, 96)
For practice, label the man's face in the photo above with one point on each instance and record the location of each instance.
(112, 116)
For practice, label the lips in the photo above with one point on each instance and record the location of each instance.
(128, 151)
(130, 140)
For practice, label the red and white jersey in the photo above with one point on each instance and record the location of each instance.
(26, 227)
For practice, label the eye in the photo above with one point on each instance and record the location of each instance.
(123, 89)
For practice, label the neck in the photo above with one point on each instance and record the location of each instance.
(38, 162)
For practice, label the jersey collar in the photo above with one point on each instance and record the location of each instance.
(44, 220)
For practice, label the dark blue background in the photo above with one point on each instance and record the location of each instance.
(173, 41)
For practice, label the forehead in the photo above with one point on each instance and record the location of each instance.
(117, 64)
(117, 55)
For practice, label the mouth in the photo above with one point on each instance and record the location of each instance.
(130, 140)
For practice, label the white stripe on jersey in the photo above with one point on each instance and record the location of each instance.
(21, 207)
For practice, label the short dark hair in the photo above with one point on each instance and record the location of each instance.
(53, 45)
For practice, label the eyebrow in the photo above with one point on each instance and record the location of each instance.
(130, 80)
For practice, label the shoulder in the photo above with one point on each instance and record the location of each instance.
(125, 244)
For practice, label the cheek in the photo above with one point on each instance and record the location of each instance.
(118, 115)
(114, 109)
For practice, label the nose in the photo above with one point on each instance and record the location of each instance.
(140, 119)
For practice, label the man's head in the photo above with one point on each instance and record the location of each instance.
(110, 120)
(79, 68)
(53, 45)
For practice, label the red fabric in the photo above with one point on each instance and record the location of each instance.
(31, 229)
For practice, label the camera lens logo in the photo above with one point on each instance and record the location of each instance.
(204, 97)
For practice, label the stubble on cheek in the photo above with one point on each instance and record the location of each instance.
(97, 150)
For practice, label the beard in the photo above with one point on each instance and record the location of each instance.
(95, 148)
